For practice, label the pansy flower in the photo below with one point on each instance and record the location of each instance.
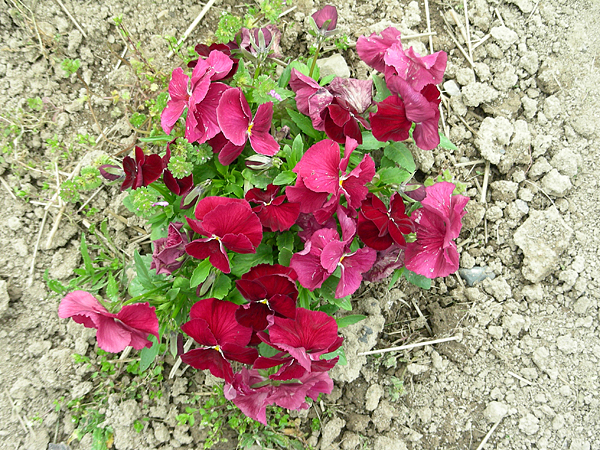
(322, 172)
(325, 252)
(311, 98)
(379, 226)
(169, 253)
(238, 126)
(304, 338)
(274, 213)
(205, 50)
(221, 337)
(142, 170)
(372, 49)
(327, 15)
(228, 224)
(418, 71)
(270, 289)
(438, 223)
(130, 327)
(387, 261)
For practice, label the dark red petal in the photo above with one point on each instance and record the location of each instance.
(262, 270)
(220, 317)
(152, 169)
(253, 315)
(205, 358)
(240, 354)
(251, 290)
(284, 305)
(279, 217)
(140, 316)
(370, 234)
(390, 122)
(234, 116)
(199, 330)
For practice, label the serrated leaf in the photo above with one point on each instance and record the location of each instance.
(393, 175)
(339, 352)
(304, 123)
(417, 280)
(148, 354)
(286, 177)
(401, 155)
(446, 143)
(200, 273)
(349, 320)
(369, 142)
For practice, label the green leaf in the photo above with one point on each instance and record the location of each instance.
(401, 155)
(300, 67)
(285, 77)
(369, 142)
(266, 350)
(143, 275)
(112, 288)
(221, 286)
(393, 175)
(297, 152)
(447, 143)
(304, 123)
(148, 354)
(200, 273)
(242, 263)
(137, 119)
(285, 256)
(343, 302)
(417, 280)
(349, 320)
(286, 177)
(54, 285)
(339, 352)
(99, 438)
(285, 243)
(395, 277)
(382, 91)
(87, 260)
(326, 80)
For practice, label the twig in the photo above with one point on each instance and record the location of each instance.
(533, 11)
(428, 25)
(27, 427)
(91, 197)
(7, 187)
(408, 346)
(459, 24)
(186, 347)
(460, 47)
(527, 382)
(486, 179)
(71, 17)
(422, 316)
(499, 16)
(287, 11)
(193, 25)
(121, 59)
(470, 163)
(37, 245)
(468, 31)
(57, 220)
(483, 39)
(489, 434)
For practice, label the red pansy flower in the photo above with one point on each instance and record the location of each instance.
(387, 261)
(205, 50)
(130, 327)
(327, 13)
(379, 227)
(311, 98)
(418, 71)
(372, 49)
(238, 126)
(438, 223)
(142, 170)
(221, 337)
(228, 224)
(271, 289)
(274, 214)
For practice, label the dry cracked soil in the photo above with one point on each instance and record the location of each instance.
(522, 104)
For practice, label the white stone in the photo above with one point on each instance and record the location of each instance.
(495, 411)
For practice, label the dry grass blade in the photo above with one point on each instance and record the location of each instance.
(408, 346)
(193, 25)
(71, 17)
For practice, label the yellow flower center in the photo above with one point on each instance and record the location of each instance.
(250, 129)
(217, 348)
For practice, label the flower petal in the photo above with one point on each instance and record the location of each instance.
(205, 358)
(234, 116)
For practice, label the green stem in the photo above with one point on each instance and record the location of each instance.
(314, 62)
(139, 297)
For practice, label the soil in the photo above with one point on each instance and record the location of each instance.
(525, 363)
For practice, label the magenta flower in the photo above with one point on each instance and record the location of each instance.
(228, 224)
(130, 327)
(390, 121)
(372, 49)
(236, 122)
(271, 290)
(306, 337)
(221, 337)
(325, 252)
(379, 227)
(387, 261)
(199, 96)
(169, 253)
(422, 108)
(205, 50)
(319, 176)
(249, 392)
(142, 171)
(438, 223)
(327, 13)
(418, 71)
(274, 214)
(311, 98)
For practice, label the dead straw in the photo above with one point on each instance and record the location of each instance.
(428, 26)
(408, 346)
(488, 435)
(193, 25)
(71, 17)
